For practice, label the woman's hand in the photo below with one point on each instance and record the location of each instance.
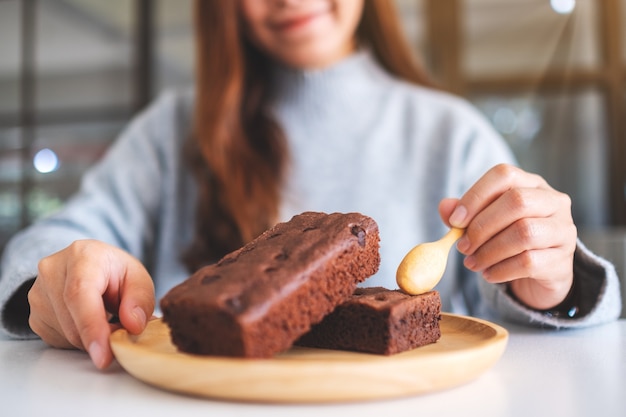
(80, 288)
(518, 230)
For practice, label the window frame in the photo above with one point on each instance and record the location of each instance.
(445, 47)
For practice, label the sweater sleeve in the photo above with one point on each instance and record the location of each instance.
(117, 203)
(595, 277)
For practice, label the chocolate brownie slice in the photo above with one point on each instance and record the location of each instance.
(256, 301)
(378, 320)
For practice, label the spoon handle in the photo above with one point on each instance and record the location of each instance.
(453, 235)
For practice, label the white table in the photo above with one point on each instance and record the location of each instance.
(542, 373)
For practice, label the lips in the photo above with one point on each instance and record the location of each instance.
(297, 22)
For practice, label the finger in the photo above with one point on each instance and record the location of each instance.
(44, 323)
(64, 322)
(513, 206)
(531, 264)
(446, 207)
(527, 234)
(137, 299)
(44, 309)
(115, 326)
(488, 188)
(48, 333)
(83, 297)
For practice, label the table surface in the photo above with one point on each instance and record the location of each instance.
(542, 373)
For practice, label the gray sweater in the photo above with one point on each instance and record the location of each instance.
(360, 140)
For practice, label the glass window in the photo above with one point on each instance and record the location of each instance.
(11, 163)
(83, 54)
(56, 162)
(11, 169)
(9, 139)
(61, 154)
(414, 22)
(10, 177)
(563, 138)
(522, 37)
(10, 210)
(10, 28)
(174, 44)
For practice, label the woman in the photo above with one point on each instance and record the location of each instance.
(300, 105)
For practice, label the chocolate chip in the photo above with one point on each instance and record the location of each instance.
(209, 279)
(281, 256)
(234, 304)
(360, 234)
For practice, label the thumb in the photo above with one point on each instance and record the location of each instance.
(137, 300)
(446, 207)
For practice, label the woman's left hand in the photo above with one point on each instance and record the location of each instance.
(518, 230)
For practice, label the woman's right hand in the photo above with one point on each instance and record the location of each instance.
(80, 288)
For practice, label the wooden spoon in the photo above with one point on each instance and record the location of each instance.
(424, 265)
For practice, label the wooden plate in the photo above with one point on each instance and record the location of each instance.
(466, 349)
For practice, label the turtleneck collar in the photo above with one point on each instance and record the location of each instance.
(354, 74)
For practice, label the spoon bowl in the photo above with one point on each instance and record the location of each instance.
(424, 265)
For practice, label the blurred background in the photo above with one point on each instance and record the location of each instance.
(550, 75)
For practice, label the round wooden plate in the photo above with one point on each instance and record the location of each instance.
(467, 348)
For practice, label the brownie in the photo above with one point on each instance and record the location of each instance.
(378, 320)
(257, 300)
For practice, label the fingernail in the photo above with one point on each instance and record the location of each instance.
(458, 216)
(96, 354)
(470, 262)
(140, 316)
(463, 244)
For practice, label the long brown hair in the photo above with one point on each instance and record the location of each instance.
(238, 153)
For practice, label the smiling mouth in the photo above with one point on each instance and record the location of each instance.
(297, 22)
